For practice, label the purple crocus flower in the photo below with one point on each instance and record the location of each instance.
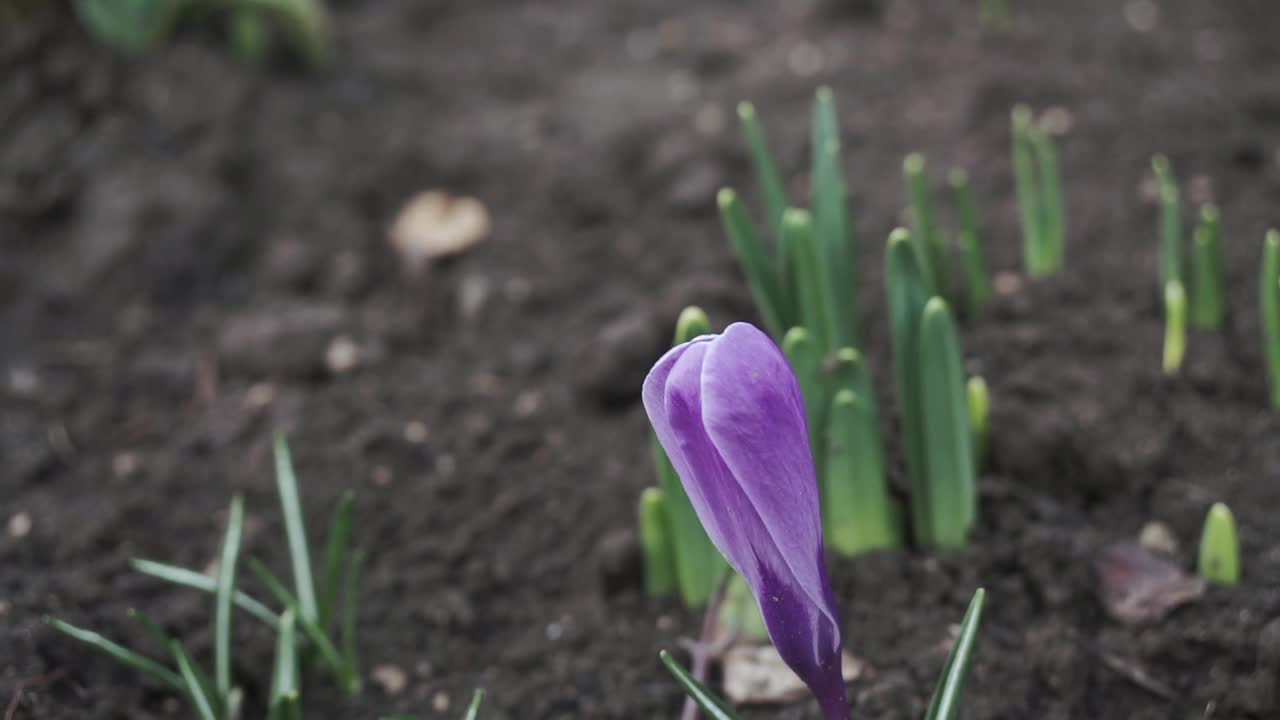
(727, 409)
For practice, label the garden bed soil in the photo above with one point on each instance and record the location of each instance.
(182, 238)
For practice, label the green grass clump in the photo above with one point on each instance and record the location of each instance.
(217, 697)
(1039, 189)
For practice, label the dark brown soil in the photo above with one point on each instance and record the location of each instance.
(154, 211)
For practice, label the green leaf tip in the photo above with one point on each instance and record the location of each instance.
(1209, 213)
(1021, 116)
(958, 177)
(746, 111)
(979, 401)
(1175, 332)
(655, 544)
(1269, 291)
(473, 710)
(726, 197)
(797, 216)
(1219, 560)
(693, 322)
(913, 163)
(824, 94)
(945, 703)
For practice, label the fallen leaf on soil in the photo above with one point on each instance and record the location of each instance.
(1138, 586)
(756, 674)
(435, 224)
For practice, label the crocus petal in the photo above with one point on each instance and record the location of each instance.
(727, 410)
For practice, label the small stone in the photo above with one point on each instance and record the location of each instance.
(125, 464)
(423, 669)
(19, 525)
(665, 623)
(4, 607)
(757, 674)
(446, 464)
(259, 396)
(805, 60)
(390, 678)
(709, 121)
(440, 702)
(288, 339)
(1007, 283)
(342, 356)
(1157, 536)
(1142, 15)
(23, 381)
(1057, 120)
(415, 432)
(435, 224)
(382, 476)
(527, 403)
(554, 631)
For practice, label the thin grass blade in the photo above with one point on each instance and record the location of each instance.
(291, 508)
(335, 558)
(204, 705)
(977, 278)
(1269, 291)
(223, 596)
(284, 676)
(120, 653)
(204, 583)
(350, 613)
(771, 185)
(945, 704)
(714, 707)
(831, 224)
(1052, 215)
(473, 710)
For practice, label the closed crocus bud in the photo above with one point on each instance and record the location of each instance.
(728, 411)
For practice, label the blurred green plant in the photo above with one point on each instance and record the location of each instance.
(217, 697)
(1208, 292)
(1175, 327)
(1219, 559)
(138, 25)
(1039, 189)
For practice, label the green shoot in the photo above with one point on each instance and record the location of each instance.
(1035, 247)
(771, 186)
(993, 15)
(1052, 217)
(284, 677)
(908, 294)
(204, 706)
(805, 357)
(335, 557)
(655, 544)
(951, 497)
(225, 592)
(1219, 547)
(761, 276)
(121, 654)
(1170, 221)
(204, 583)
(857, 515)
(1208, 294)
(1175, 327)
(812, 279)
(473, 710)
(928, 243)
(291, 509)
(698, 564)
(945, 704)
(1269, 289)
(250, 36)
(979, 418)
(831, 224)
(714, 707)
(977, 279)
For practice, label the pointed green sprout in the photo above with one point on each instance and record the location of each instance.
(945, 704)
(1219, 547)
(204, 583)
(832, 226)
(908, 294)
(928, 243)
(1269, 290)
(223, 597)
(951, 497)
(977, 278)
(1175, 327)
(350, 608)
(1052, 216)
(857, 516)
(739, 612)
(760, 274)
(714, 707)
(195, 689)
(979, 418)
(296, 533)
(120, 654)
(336, 557)
(473, 709)
(698, 565)
(805, 356)
(1170, 221)
(655, 545)
(994, 15)
(812, 279)
(771, 186)
(1034, 246)
(1208, 292)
